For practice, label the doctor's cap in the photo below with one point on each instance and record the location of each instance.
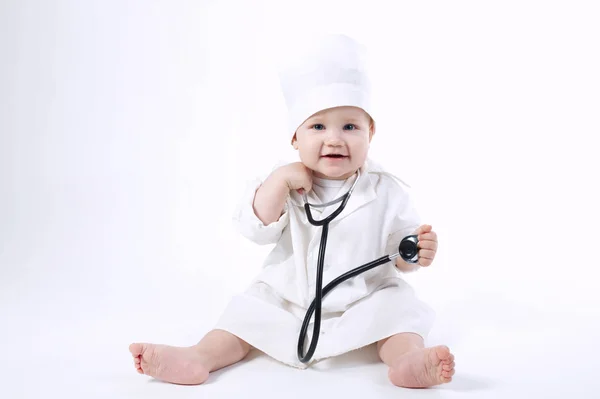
(320, 72)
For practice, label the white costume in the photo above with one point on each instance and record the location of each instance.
(360, 311)
(367, 308)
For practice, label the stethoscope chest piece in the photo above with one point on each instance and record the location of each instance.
(409, 249)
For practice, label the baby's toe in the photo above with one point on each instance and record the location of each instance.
(443, 353)
(447, 374)
(136, 349)
(449, 359)
(448, 367)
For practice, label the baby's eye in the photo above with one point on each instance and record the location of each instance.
(318, 126)
(350, 126)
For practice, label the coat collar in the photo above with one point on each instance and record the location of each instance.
(363, 193)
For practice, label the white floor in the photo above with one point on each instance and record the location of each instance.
(69, 340)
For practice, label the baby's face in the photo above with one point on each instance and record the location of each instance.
(334, 142)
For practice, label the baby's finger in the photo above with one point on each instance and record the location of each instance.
(425, 262)
(426, 254)
(425, 228)
(427, 244)
(432, 235)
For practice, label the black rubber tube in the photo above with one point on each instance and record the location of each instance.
(320, 291)
(315, 306)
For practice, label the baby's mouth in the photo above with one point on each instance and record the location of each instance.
(335, 156)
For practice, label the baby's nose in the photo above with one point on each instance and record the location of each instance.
(334, 142)
(334, 136)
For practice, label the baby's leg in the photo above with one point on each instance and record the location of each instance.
(414, 366)
(189, 365)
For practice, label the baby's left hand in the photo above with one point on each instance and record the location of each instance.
(428, 244)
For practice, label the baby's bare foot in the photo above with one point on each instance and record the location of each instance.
(423, 368)
(171, 364)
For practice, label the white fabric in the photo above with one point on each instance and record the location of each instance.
(360, 311)
(325, 72)
(326, 190)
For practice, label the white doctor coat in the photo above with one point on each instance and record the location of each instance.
(365, 309)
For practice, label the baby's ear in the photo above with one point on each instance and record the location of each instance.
(371, 129)
(295, 142)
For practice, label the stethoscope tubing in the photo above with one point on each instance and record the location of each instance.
(320, 291)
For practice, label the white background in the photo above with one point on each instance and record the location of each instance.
(129, 128)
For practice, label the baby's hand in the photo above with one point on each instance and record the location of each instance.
(296, 176)
(428, 244)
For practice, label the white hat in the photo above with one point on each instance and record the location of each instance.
(328, 71)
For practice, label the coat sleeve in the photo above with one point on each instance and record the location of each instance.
(405, 218)
(250, 226)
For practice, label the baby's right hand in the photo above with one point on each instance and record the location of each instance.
(296, 176)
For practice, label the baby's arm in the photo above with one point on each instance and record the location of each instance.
(270, 198)
(405, 221)
(261, 216)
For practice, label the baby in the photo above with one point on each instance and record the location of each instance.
(331, 126)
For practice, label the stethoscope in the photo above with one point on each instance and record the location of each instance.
(407, 249)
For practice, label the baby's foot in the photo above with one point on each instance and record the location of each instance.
(423, 368)
(171, 364)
